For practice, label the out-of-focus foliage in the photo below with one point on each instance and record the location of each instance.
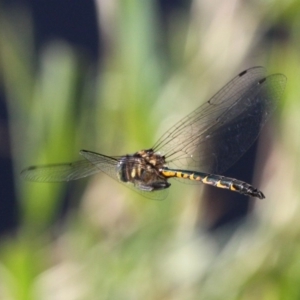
(115, 245)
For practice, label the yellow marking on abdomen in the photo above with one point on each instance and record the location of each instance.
(194, 177)
(169, 173)
(183, 175)
(220, 185)
(232, 188)
(204, 180)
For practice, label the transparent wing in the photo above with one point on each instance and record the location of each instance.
(96, 160)
(68, 171)
(218, 132)
(92, 164)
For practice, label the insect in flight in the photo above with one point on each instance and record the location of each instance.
(212, 138)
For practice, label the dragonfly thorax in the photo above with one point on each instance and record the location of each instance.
(142, 169)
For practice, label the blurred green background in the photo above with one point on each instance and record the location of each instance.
(111, 243)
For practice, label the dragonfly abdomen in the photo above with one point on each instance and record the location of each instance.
(215, 180)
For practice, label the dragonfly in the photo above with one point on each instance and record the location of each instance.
(211, 139)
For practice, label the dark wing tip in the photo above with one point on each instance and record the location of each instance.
(247, 70)
(262, 80)
(82, 151)
(30, 168)
(24, 173)
(243, 73)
